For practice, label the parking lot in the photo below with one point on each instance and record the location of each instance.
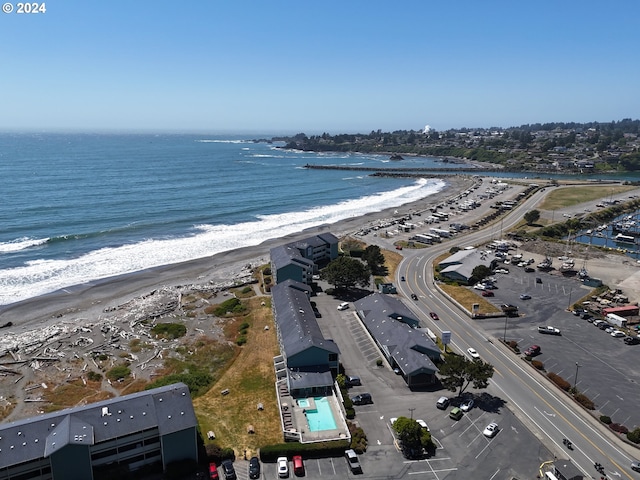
(602, 366)
(463, 450)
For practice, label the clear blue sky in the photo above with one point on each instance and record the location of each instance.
(336, 66)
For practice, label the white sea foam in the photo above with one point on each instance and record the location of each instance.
(44, 276)
(21, 244)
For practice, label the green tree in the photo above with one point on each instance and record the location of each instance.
(457, 373)
(531, 216)
(375, 260)
(479, 273)
(346, 272)
(411, 435)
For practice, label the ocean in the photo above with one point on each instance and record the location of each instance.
(81, 207)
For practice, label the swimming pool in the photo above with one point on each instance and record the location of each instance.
(320, 418)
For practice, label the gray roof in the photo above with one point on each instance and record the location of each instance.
(167, 408)
(463, 262)
(309, 378)
(317, 240)
(297, 324)
(410, 348)
(288, 254)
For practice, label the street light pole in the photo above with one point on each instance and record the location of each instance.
(570, 292)
(411, 410)
(575, 380)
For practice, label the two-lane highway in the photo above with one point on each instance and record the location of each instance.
(548, 412)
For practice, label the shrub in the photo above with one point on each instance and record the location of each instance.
(559, 381)
(358, 438)
(537, 364)
(634, 436)
(379, 362)
(246, 290)
(169, 330)
(269, 453)
(233, 305)
(241, 340)
(118, 372)
(266, 271)
(585, 401)
(94, 376)
(616, 427)
(605, 419)
(243, 326)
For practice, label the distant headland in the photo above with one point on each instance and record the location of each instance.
(545, 148)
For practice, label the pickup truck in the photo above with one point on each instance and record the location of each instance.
(549, 330)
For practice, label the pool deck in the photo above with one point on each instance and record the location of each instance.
(294, 421)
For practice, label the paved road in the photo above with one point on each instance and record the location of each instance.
(546, 412)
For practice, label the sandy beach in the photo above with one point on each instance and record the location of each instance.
(54, 339)
(89, 300)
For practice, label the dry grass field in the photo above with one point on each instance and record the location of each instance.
(250, 380)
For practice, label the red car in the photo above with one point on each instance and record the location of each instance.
(213, 471)
(298, 466)
(487, 293)
(434, 315)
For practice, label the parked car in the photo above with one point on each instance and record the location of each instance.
(474, 354)
(352, 381)
(617, 333)
(502, 270)
(631, 340)
(228, 470)
(283, 467)
(254, 467)
(487, 293)
(525, 296)
(213, 471)
(490, 430)
(442, 403)
(362, 399)
(479, 286)
(352, 461)
(423, 424)
(298, 465)
(456, 413)
(434, 316)
(532, 351)
(466, 405)
(343, 306)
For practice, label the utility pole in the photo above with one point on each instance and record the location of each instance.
(575, 380)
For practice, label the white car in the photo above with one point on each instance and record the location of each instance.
(502, 270)
(283, 467)
(472, 351)
(618, 333)
(490, 430)
(343, 306)
(423, 424)
(466, 405)
(479, 286)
